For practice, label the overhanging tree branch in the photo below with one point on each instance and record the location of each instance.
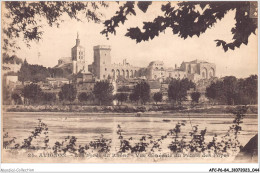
(187, 19)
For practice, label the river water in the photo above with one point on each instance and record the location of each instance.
(88, 127)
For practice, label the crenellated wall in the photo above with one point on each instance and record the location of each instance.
(102, 67)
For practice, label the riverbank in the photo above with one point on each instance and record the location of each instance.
(146, 114)
(204, 109)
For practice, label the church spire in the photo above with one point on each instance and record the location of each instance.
(77, 40)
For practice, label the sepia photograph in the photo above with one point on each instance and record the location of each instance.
(129, 82)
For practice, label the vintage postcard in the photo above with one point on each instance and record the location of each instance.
(129, 82)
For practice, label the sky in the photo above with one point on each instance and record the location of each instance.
(57, 43)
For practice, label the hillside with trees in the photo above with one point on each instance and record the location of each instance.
(39, 73)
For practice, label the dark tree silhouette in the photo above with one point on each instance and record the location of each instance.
(11, 59)
(83, 97)
(103, 91)
(17, 98)
(177, 90)
(142, 92)
(25, 19)
(133, 97)
(121, 97)
(185, 19)
(195, 96)
(188, 19)
(32, 93)
(33, 73)
(68, 92)
(230, 90)
(157, 97)
(250, 88)
(48, 97)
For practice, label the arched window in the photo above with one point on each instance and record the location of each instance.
(114, 74)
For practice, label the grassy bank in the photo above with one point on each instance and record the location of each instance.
(203, 109)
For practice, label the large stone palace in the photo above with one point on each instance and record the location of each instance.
(103, 68)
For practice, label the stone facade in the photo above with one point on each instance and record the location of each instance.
(102, 68)
(125, 70)
(157, 70)
(203, 69)
(78, 58)
(193, 70)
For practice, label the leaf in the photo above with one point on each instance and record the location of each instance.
(202, 5)
(231, 46)
(218, 43)
(225, 48)
(143, 5)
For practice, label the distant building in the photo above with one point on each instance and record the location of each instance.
(78, 58)
(157, 70)
(155, 86)
(75, 64)
(57, 82)
(102, 67)
(203, 69)
(193, 70)
(84, 82)
(8, 79)
(64, 60)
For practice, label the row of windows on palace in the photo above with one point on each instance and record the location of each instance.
(129, 75)
(132, 74)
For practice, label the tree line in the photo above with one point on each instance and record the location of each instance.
(228, 90)
(38, 73)
(102, 93)
(233, 91)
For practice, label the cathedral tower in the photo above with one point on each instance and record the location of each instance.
(78, 58)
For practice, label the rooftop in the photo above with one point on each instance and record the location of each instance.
(102, 47)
